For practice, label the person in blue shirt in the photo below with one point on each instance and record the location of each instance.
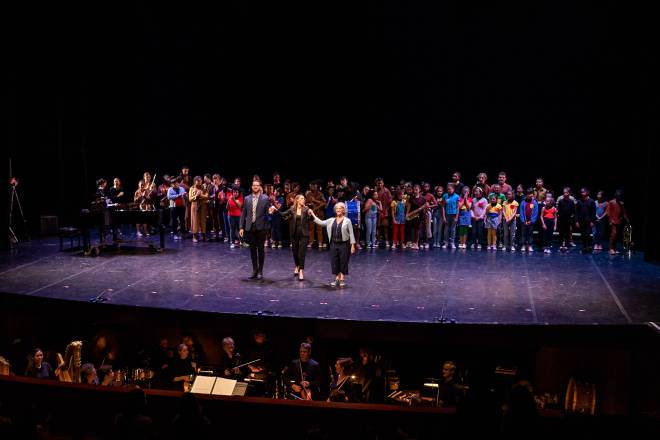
(529, 211)
(450, 215)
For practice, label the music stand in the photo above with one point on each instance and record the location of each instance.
(13, 183)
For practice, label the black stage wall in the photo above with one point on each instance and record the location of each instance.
(397, 89)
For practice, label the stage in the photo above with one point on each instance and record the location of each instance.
(406, 286)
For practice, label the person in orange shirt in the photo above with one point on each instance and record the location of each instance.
(616, 213)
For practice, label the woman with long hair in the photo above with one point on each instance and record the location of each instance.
(198, 196)
(299, 216)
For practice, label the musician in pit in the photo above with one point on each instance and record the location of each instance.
(447, 389)
(303, 375)
(261, 350)
(180, 369)
(342, 242)
(88, 374)
(38, 367)
(345, 387)
(229, 360)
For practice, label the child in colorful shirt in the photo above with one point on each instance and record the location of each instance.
(509, 211)
(479, 204)
(450, 215)
(399, 209)
(464, 217)
(549, 221)
(493, 219)
(529, 211)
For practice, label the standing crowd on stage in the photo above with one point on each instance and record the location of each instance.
(489, 216)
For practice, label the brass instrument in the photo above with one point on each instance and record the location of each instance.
(414, 214)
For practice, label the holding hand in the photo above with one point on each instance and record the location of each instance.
(271, 210)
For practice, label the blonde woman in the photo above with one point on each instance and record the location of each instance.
(299, 217)
(342, 242)
(198, 196)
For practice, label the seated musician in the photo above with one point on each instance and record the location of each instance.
(303, 375)
(259, 349)
(180, 369)
(369, 377)
(345, 387)
(229, 360)
(37, 367)
(447, 390)
(106, 375)
(88, 374)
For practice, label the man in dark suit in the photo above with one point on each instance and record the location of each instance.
(254, 220)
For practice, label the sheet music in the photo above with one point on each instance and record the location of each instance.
(223, 387)
(203, 385)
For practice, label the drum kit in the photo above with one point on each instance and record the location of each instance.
(142, 377)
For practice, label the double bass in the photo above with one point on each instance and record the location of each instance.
(305, 393)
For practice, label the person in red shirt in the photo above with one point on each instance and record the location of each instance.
(234, 208)
(549, 223)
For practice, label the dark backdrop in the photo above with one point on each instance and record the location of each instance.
(398, 89)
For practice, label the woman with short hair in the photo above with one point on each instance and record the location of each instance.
(342, 242)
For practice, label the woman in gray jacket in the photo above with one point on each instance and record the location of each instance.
(342, 242)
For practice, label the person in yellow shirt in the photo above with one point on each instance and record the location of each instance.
(509, 210)
(493, 219)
